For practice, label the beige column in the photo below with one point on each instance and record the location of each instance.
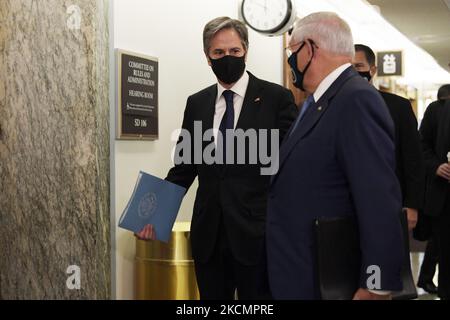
(54, 149)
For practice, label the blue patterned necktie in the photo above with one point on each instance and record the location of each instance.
(308, 102)
(228, 119)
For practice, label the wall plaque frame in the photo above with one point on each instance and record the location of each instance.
(137, 96)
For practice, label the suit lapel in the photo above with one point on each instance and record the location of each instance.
(207, 117)
(312, 117)
(210, 108)
(250, 106)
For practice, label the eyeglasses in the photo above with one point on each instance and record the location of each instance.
(289, 52)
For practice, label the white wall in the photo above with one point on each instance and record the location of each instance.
(171, 31)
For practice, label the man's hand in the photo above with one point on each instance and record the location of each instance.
(364, 294)
(411, 215)
(148, 233)
(444, 171)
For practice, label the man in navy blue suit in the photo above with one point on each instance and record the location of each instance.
(337, 160)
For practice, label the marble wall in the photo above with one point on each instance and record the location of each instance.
(54, 149)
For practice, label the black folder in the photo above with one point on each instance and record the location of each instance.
(338, 257)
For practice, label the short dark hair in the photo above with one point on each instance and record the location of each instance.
(370, 55)
(220, 23)
(444, 92)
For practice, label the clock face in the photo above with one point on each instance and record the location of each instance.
(266, 16)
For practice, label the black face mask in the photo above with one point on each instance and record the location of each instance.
(366, 75)
(228, 69)
(298, 75)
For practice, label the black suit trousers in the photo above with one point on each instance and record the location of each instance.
(222, 275)
(441, 228)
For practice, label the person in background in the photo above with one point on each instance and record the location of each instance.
(228, 222)
(337, 160)
(410, 166)
(435, 137)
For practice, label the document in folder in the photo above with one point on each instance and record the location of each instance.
(338, 257)
(154, 201)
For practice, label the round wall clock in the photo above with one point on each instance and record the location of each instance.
(269, 17)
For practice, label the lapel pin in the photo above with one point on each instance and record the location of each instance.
(319, 108)
(258, 99)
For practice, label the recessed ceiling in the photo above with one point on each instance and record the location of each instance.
(425, 22)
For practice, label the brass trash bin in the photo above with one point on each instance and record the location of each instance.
(165, 271)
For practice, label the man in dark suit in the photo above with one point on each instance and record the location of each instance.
(228, 223)
(435, 136)
(337, 160)
(431, 257)
(410, 167)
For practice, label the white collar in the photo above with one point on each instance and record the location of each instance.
(239, 88)
(328, 81)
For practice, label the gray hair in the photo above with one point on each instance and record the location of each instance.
(328, 31)
(222, 23)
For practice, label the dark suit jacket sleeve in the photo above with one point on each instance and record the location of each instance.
(411, 157)
(184, 174)
(367, 156)
(428, 133)
(287, 112)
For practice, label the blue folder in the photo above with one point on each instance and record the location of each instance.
(154, 201)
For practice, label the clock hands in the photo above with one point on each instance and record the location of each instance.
(268, 17)
(262, 5)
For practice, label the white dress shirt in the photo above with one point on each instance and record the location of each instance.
(328, 81)
(321, 89)
(239, 89)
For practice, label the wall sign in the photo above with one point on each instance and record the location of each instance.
(137, 101)
(390, 63)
